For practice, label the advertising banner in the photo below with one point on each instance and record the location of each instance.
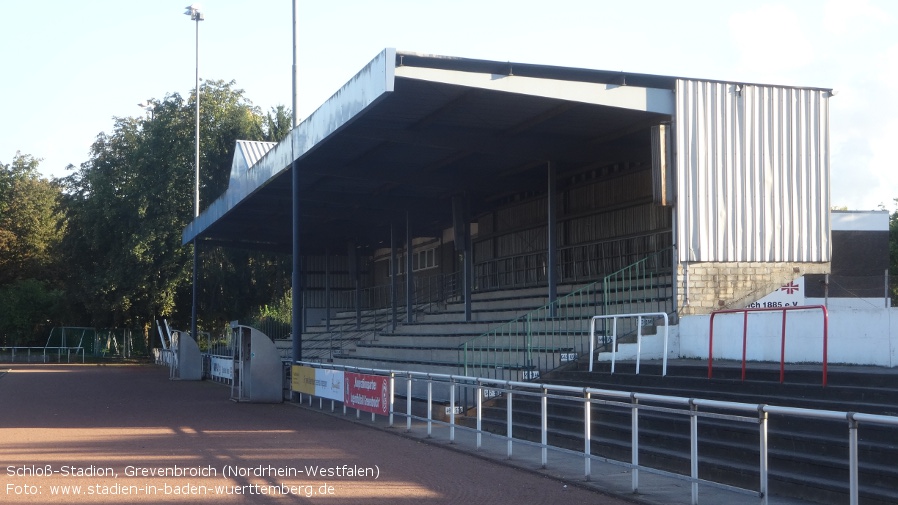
(302, 379)
(370, 393)
(317, 382)
(222, 367)
(329, 384)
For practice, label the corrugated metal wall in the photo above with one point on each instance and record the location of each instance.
(752, 173)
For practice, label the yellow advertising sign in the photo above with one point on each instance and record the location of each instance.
(302, 379)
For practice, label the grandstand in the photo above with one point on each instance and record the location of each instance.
(470, 217)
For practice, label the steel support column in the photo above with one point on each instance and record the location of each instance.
(353, 258)
(468, 271)
(409, 279)
(394, 266)
(296, 281)
(327, 290)
(552, 247)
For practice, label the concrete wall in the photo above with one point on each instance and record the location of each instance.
(707, 286)
(856, 336)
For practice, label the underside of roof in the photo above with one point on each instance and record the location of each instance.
(409, 132)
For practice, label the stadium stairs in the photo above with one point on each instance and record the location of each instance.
(433, 342)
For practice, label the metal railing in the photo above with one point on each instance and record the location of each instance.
(547, 337)
(576, 263)
(784, 310)
(593, 398)
(540, 340)
(650, 316)
(644, 286)
(42, 352)
(374, 313)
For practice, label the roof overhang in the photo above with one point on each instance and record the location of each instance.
(409, 132)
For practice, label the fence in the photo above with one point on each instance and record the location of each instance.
(549, 336)
(592, 398)
(41, 354)
(784, 310)
(647, 316)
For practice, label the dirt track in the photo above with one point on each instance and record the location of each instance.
(126, 423)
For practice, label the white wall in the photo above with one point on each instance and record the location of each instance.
(856, 336)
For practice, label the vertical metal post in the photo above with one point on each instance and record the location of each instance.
(587, 435)
(479, 400)
(852, 459)
(468, 270)
(392, 397)
(296, 279)
(613, 342)
(429, 407)
(295, 67)
(592, 341)
(352, 257)
(634, 442)
(744, 341)
(638, 341)
(885, 288)
(552, 246)
(197, 16)
(394, 267)
(408, 404)
(763, 465)
(693, 450)
(508, 424)
(452, 411)
(409, 266)
(544, 426)
(783, 351)
(327, 292)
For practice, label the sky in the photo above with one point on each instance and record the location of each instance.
(67, 69)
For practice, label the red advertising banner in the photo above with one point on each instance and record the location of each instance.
(370, 393)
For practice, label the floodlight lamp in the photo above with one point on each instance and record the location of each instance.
(194, 11)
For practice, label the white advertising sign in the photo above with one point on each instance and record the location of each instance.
(222, 367)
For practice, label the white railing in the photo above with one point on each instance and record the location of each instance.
(66, 351)
(639, 317)
(635, 402)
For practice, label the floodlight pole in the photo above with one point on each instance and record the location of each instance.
(196, 15)
(296, 279)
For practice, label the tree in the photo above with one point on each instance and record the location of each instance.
(128, 204)
(30, 224)
(30, 232)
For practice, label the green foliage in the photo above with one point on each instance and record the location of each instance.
(280, 310)
(24, 308)
(30, 224)
(31, 228)
(129, 203)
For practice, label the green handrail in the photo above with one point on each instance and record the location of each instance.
(553, 334)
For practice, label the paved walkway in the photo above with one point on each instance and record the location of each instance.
(126, 434)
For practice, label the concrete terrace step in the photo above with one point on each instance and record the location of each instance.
(807, 456)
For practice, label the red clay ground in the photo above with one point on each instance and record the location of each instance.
(74, 420)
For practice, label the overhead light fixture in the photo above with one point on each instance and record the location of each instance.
(195, 12)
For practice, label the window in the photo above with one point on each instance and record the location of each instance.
(421, 260)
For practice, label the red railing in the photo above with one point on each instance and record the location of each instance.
(783, 343)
